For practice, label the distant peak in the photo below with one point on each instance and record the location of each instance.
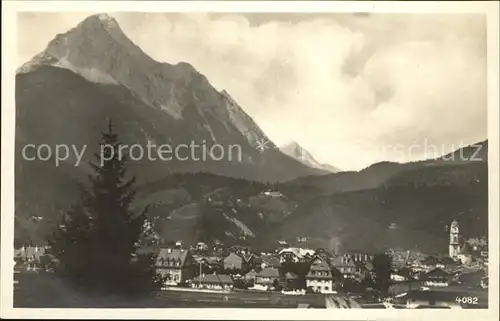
(294, 149)
(186, 66)
(101, 18)
(292, 145)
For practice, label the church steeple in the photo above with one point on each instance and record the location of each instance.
(454, 248)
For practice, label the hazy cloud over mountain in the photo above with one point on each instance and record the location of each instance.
(343, 86)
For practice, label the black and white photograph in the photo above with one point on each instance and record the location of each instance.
(251, 159)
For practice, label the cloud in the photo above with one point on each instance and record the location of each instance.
(343, 86)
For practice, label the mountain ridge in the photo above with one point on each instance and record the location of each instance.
(293, 149)
(126, 64)
(98, 50)
(66, 92)
(375, 174)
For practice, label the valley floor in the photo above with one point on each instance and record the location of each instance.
(43, 290)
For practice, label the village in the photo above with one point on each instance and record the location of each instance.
(299, 271)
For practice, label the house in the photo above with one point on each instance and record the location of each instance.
(465, 255)
(176, 265)
(402, 274)
(478, 244)
(218, 248)
(213, 282)
(208, 265)
(345, 265)
(398, 262)
(267, 278)
(462, 269)
(213, 263)
(201, 246)
(251, 260)
(250, 276)
(430, 299)
(283, 243)
(360, 257)
(276, 194)
(472, 279)
(401, 257)
(323, 253)
(234, 262)
(446, 261)
(301, 239)
(436, 277)
(295, 255)
(430, 261)
(363, 270)
(484, 282)
(292, 281)
(270, 261)
(30, 257)
(320, 276)
(368, 266)
(240, 249)
(402, 287)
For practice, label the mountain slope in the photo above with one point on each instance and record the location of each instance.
(377, 174)
(176, 103)
(92, 73)
(411, 210)
(393, 205)
(296, 151)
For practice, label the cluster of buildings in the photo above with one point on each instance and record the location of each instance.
(317, 271)
(465, 263)
(287, 269)
(299, 269)
(32, 258)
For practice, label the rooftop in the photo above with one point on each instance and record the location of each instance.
(269, 273)
(343, 260)
(167, 255)
(214, 279)
(299, 252)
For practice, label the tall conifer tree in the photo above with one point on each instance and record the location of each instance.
(381, 273)
(96, 244)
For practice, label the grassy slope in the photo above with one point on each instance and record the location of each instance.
(420, 203)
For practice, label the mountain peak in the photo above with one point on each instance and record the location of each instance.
(293, 145)
(80, 49)
(102, 19)
(100, 52)
(294, 149)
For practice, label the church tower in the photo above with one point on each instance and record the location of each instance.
(454, 240)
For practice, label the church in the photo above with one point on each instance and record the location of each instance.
(454, 248)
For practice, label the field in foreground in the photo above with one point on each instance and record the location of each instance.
(46, 291)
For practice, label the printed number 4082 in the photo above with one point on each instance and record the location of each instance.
(467, 300)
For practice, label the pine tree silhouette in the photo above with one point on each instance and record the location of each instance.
(96, 244)
(381, 273)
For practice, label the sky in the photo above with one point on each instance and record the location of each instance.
(352, 89)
